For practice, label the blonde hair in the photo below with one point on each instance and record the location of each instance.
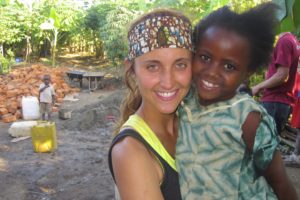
(131, 102)
(133, 99)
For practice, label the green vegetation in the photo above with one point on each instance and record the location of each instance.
(49, 28)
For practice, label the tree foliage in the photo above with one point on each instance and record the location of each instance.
(289, 16)
(102, 28)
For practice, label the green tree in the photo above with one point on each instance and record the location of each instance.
(62, 17)
(12, 27)
(113, 31)
(108, 22)
(93, 21)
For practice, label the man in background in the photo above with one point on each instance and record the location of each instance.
(280, 79)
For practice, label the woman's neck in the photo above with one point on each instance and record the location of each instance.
(164, 126)
(160, 123)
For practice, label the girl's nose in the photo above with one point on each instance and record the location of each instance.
(213, 69)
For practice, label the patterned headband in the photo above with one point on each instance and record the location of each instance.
(163, 31)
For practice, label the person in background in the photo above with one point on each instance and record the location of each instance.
(227, 141)
(158, 75)
(293, 160)
(46, 97)
(278, 86)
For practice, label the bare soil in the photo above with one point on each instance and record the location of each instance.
(78, 169)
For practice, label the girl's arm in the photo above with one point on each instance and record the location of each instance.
(275, 173)
(276, 176)
(137, 173)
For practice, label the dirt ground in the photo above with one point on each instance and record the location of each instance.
(78, 169)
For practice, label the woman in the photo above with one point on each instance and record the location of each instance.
(158, 74)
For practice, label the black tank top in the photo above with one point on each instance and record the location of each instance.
(170, 186)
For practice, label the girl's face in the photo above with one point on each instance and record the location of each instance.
(163, 77)
(220, 64)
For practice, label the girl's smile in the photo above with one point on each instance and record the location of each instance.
(220, 64)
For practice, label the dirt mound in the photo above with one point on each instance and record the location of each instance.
(100, 114)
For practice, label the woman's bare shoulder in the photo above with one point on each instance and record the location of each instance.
(135, 167)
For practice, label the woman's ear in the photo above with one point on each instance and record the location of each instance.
(128, 64)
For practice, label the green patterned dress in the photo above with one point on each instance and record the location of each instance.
(211, 157)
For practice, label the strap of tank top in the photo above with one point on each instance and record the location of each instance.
(130, 132)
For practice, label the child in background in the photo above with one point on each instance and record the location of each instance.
(47, 97)
(227, 142)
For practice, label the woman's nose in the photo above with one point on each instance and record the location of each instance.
(166, 79)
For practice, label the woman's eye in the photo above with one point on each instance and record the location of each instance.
(181, 65)
(152, 67)
(229, 66)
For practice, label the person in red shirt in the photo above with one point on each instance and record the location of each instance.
(293, 160)
(280, 79)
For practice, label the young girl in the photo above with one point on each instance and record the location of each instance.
(158, 74)
(227, 142)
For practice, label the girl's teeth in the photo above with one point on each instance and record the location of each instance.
(209, 84)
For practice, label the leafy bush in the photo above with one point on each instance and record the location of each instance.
(6, 62)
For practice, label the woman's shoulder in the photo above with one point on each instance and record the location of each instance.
(133, 166)
(129, 153)
(128, 146)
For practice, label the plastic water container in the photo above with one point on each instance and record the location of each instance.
(30, 108)
(44, 137)
(21, 129)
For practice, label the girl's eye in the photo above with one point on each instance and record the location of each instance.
(152, 67)
(229, 67)
(204, 58)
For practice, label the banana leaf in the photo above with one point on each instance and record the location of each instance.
(288, 16)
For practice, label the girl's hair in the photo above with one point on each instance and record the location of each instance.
(133, 99)
(257, 25)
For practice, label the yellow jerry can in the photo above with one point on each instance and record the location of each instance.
(44, 137)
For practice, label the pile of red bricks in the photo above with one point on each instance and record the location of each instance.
(25, 81)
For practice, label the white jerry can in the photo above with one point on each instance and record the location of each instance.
(21, 129)
(30, 108)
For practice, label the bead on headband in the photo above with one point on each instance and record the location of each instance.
(161, 31)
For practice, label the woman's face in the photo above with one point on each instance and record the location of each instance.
(163, 77)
